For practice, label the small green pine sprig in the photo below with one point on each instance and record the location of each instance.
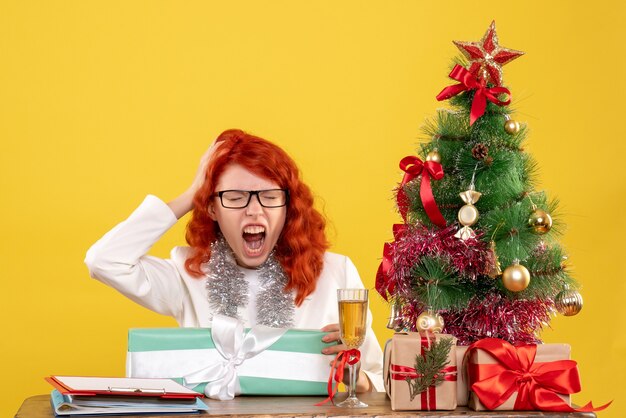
(436, 284)
(429, 367)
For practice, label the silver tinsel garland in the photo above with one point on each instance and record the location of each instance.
(275, 307)
(228, 289)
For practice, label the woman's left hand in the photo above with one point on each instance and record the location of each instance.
(363, 383)
(333, 336)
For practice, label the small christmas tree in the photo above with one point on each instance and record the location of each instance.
(477, 254)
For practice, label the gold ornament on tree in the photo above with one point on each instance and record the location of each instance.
(429, 321)
(516, 277)
(511, 126)
(539, 221)
(568, 302)
(468, 214)
(433, 156)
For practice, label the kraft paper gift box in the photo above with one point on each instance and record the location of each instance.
(547, 357)
(226, 360)
(399, 364)
(462, 387)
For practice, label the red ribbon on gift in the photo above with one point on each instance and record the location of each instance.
(468, 81)
(344, 357)
(413, 167)
(428, 398)
(383, 275)
(403, 372)
(537, 384)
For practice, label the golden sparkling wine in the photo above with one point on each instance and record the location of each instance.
(352, 315)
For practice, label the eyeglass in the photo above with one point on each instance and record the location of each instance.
(239, 199)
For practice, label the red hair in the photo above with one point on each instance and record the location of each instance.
(302, 243)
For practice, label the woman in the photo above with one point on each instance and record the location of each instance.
(257, 250)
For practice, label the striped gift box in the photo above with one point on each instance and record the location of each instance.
(290, 365)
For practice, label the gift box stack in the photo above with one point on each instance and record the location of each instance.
(428, 371)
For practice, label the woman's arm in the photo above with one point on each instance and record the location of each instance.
(119, 259)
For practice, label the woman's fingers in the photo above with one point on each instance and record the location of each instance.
(204, 164)
(334, 349)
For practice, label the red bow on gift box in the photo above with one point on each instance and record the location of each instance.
(537, 384)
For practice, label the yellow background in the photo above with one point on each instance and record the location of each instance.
(102, 102)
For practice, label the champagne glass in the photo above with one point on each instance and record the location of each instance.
(352, 315)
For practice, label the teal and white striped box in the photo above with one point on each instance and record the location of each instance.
(292, 365)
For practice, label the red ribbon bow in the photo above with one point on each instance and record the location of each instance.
(344, 357)
(468, 81)
(413, 167)
(537, 384)
(384, 284)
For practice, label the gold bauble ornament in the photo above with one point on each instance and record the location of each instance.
(568, 302)
(429, 321)
(540, 221)
(433, 156)
(516, 277)
(511, 127)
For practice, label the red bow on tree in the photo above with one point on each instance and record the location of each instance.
(413, 167)
(468, 82)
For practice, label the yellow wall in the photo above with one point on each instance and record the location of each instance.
(102, 102)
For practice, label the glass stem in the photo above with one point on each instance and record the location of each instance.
(352, 386)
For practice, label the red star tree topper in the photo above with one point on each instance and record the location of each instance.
(487, 54)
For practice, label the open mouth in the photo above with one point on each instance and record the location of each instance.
(253, 238)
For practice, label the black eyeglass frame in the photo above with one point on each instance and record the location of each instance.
(250, 194)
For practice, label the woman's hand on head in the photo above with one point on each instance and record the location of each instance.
(200, 177)
(184, 202)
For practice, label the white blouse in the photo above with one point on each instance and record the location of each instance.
(119, 259)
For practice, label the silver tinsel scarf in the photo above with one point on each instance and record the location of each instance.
(228, 289)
